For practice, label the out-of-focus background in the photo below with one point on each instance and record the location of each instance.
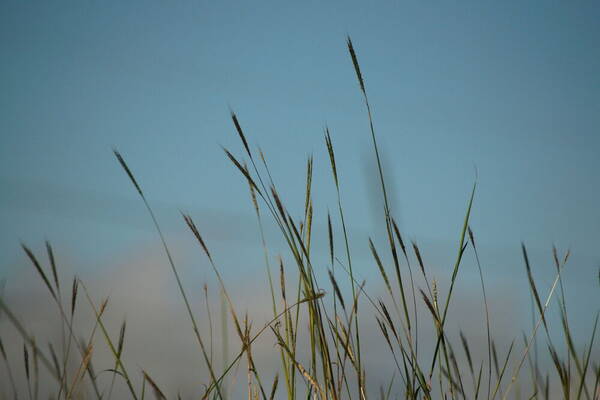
(508, 91)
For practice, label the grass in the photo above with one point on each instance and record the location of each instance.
(317, 328)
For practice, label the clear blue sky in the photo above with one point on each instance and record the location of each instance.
(510, 87)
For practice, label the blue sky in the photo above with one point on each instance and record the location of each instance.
(509, 88)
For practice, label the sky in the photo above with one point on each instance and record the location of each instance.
(505, 91)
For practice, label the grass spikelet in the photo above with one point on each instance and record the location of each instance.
(330, 236)
(128, 172)
(282, 279)
(194, 229)
(157, 392)
(430, 306)
(419, 259)
(27, 372)
(26, 361)
(308, 197)
(74, 289)
(121, 342)
(380, 266)
(53, 266)
(2, 351)
(495, 358)
(241, 133)
(279, 203)
(331, 156)
(399, 237)
(389, 319)
(356, 65)
(336, 288)
(253, 195)
(534, 291)
(39, 269)
(243, 170)
(465, 345)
